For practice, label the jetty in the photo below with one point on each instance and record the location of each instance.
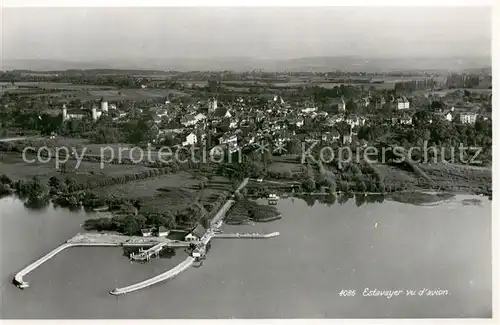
(159, 278)
(19, 277)
(96, 240)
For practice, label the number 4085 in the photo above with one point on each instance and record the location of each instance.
(347, 293)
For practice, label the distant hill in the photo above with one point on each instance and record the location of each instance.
(313, 64)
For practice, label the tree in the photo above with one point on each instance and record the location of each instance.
(309, 185)
(130, 225)
(4, 179)
(350, 106)
(71, 184)
(294, 147)
(54, 184)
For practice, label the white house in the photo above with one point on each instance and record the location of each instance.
(355, 121)
(196, 234)
(233, 124)
(147, 232)
(406, 120)
(229, 139)
(468, 118)
(191, 139)
(161, 112)
(200, 117)
(403, 103)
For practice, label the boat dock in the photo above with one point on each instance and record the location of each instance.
(159, 278)
(145, 255)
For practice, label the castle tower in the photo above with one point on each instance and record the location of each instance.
(212, 106)
(104, 105)
(94, 113)
(341, 106)
(64, 112)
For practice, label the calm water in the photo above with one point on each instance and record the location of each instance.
(321, 251)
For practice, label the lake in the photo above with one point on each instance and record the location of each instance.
(321, 251)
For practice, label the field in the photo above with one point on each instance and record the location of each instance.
(455, 178)
(149, 187)
(282, 167)
(393, 174)
(173, 193)
(54, 86)
(460, 177)
(116, 95)
(12, 165)
(87, 92)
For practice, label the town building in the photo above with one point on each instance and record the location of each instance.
(402, 103)
(147, 232)
(190, 139)
(406, 120)
(230, 140)
(77, 114)
(468, 118)
(196, 234)
(73, 114)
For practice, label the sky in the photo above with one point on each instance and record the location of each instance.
(267, 33)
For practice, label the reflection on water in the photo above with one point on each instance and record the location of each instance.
(343, 198)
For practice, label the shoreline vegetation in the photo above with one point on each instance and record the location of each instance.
(181, 196)
(322, 182)
(245, 211)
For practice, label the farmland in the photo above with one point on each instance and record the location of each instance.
(149, 187)
(115, 95)
(52, 86)
(12, 164)
(66, 91)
